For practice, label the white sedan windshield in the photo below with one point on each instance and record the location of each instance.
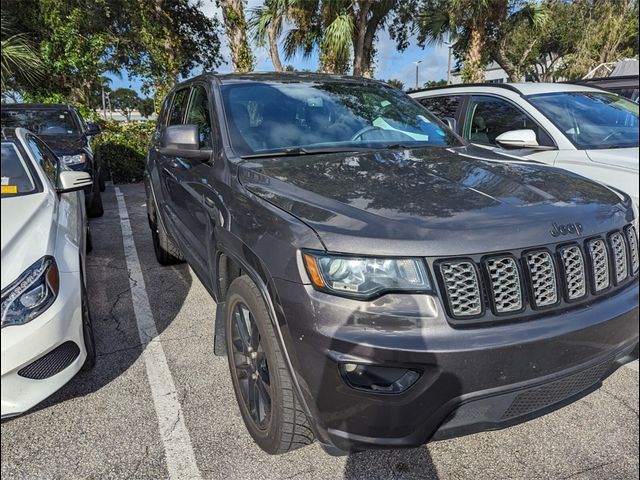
(16, 177)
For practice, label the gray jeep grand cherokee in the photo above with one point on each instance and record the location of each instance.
(379, 282)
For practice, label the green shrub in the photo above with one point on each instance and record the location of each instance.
(121, 148)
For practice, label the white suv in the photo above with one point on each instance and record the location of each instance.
(585, 130)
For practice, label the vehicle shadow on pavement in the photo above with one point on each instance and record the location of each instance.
(415, 463)
(109, 290)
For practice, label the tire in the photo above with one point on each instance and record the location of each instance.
(87, 330)
(101, 181)
(89, 240)
(167, 252)
(278, 425)
(96, 209)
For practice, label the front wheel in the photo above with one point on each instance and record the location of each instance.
(96, 208)
(87, 330)
(268, 403)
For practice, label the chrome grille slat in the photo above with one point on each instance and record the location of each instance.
(543, 278)
(505, 284)
(462, 287)
(599, 265)
(619, 249)
(633, 249)
(574, 272)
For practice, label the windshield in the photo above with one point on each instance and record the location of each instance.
(591, 120)
(297, 118)
(41, 122)
(16, 177)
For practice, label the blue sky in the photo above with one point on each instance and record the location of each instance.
(389, 63)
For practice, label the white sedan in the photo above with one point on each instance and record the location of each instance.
(47, 335)
(585, 130)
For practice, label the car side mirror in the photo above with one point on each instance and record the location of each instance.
(525, 138)
(451, 122)
(182, 141)
(93, 129)
(70, 181)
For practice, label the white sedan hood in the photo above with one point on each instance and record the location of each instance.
(626, 158)
(27, 232)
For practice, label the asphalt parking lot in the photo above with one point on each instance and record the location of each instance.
(112, 422)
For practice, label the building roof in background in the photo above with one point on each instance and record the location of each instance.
(626, 67)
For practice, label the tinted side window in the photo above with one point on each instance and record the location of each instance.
(178, 107)
(489, 117)
(47, 160)
(198, 114)
(442, 106)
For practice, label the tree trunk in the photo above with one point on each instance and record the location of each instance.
(235, 27)
(273, 49)
(359, 34)
(473, 71)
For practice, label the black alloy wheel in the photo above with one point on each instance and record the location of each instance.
(251, 366)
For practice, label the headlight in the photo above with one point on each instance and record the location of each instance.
(74, 159)
(31, 294)
(365, 277)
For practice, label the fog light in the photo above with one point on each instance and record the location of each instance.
(377, 379)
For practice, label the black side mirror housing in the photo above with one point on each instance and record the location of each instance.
(93, 129)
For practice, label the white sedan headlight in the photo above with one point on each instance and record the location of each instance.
(74, 159)
(32, 293)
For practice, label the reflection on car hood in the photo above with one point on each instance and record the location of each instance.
(432, 201)
(64, 144)
(26, 233)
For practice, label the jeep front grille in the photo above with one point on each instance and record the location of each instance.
(619, 256)
(584, 270)
(505, 284)
(543, 278)
(599, 265)
(574, 273)
(463, 289)
(633, 249)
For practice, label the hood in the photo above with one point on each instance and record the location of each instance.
(432, 201)
(624, 158)
(65, 144)
(26, 233)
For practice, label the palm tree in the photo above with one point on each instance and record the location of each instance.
(235, 27)
(21, 63)
(266, 24)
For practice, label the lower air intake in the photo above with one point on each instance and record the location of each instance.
(53, 362)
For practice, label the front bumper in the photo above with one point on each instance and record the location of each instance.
(22, 345)
(473, 378)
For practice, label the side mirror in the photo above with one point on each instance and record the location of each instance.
(183, 141)
(518, 139)
(70, 181)
(451, 122)
(93, 129)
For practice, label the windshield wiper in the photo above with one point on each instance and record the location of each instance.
(295, 151)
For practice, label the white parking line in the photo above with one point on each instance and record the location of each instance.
(181, 461)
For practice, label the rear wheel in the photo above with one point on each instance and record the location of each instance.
(167, 252)
(87, 330)
(268, 404)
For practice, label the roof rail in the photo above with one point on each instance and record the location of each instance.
(506, 86)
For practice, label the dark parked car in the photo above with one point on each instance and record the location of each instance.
(68, 135)
(626, 86)
(379, 282)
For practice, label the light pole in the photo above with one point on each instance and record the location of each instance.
(449, 46)
(417, 71)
